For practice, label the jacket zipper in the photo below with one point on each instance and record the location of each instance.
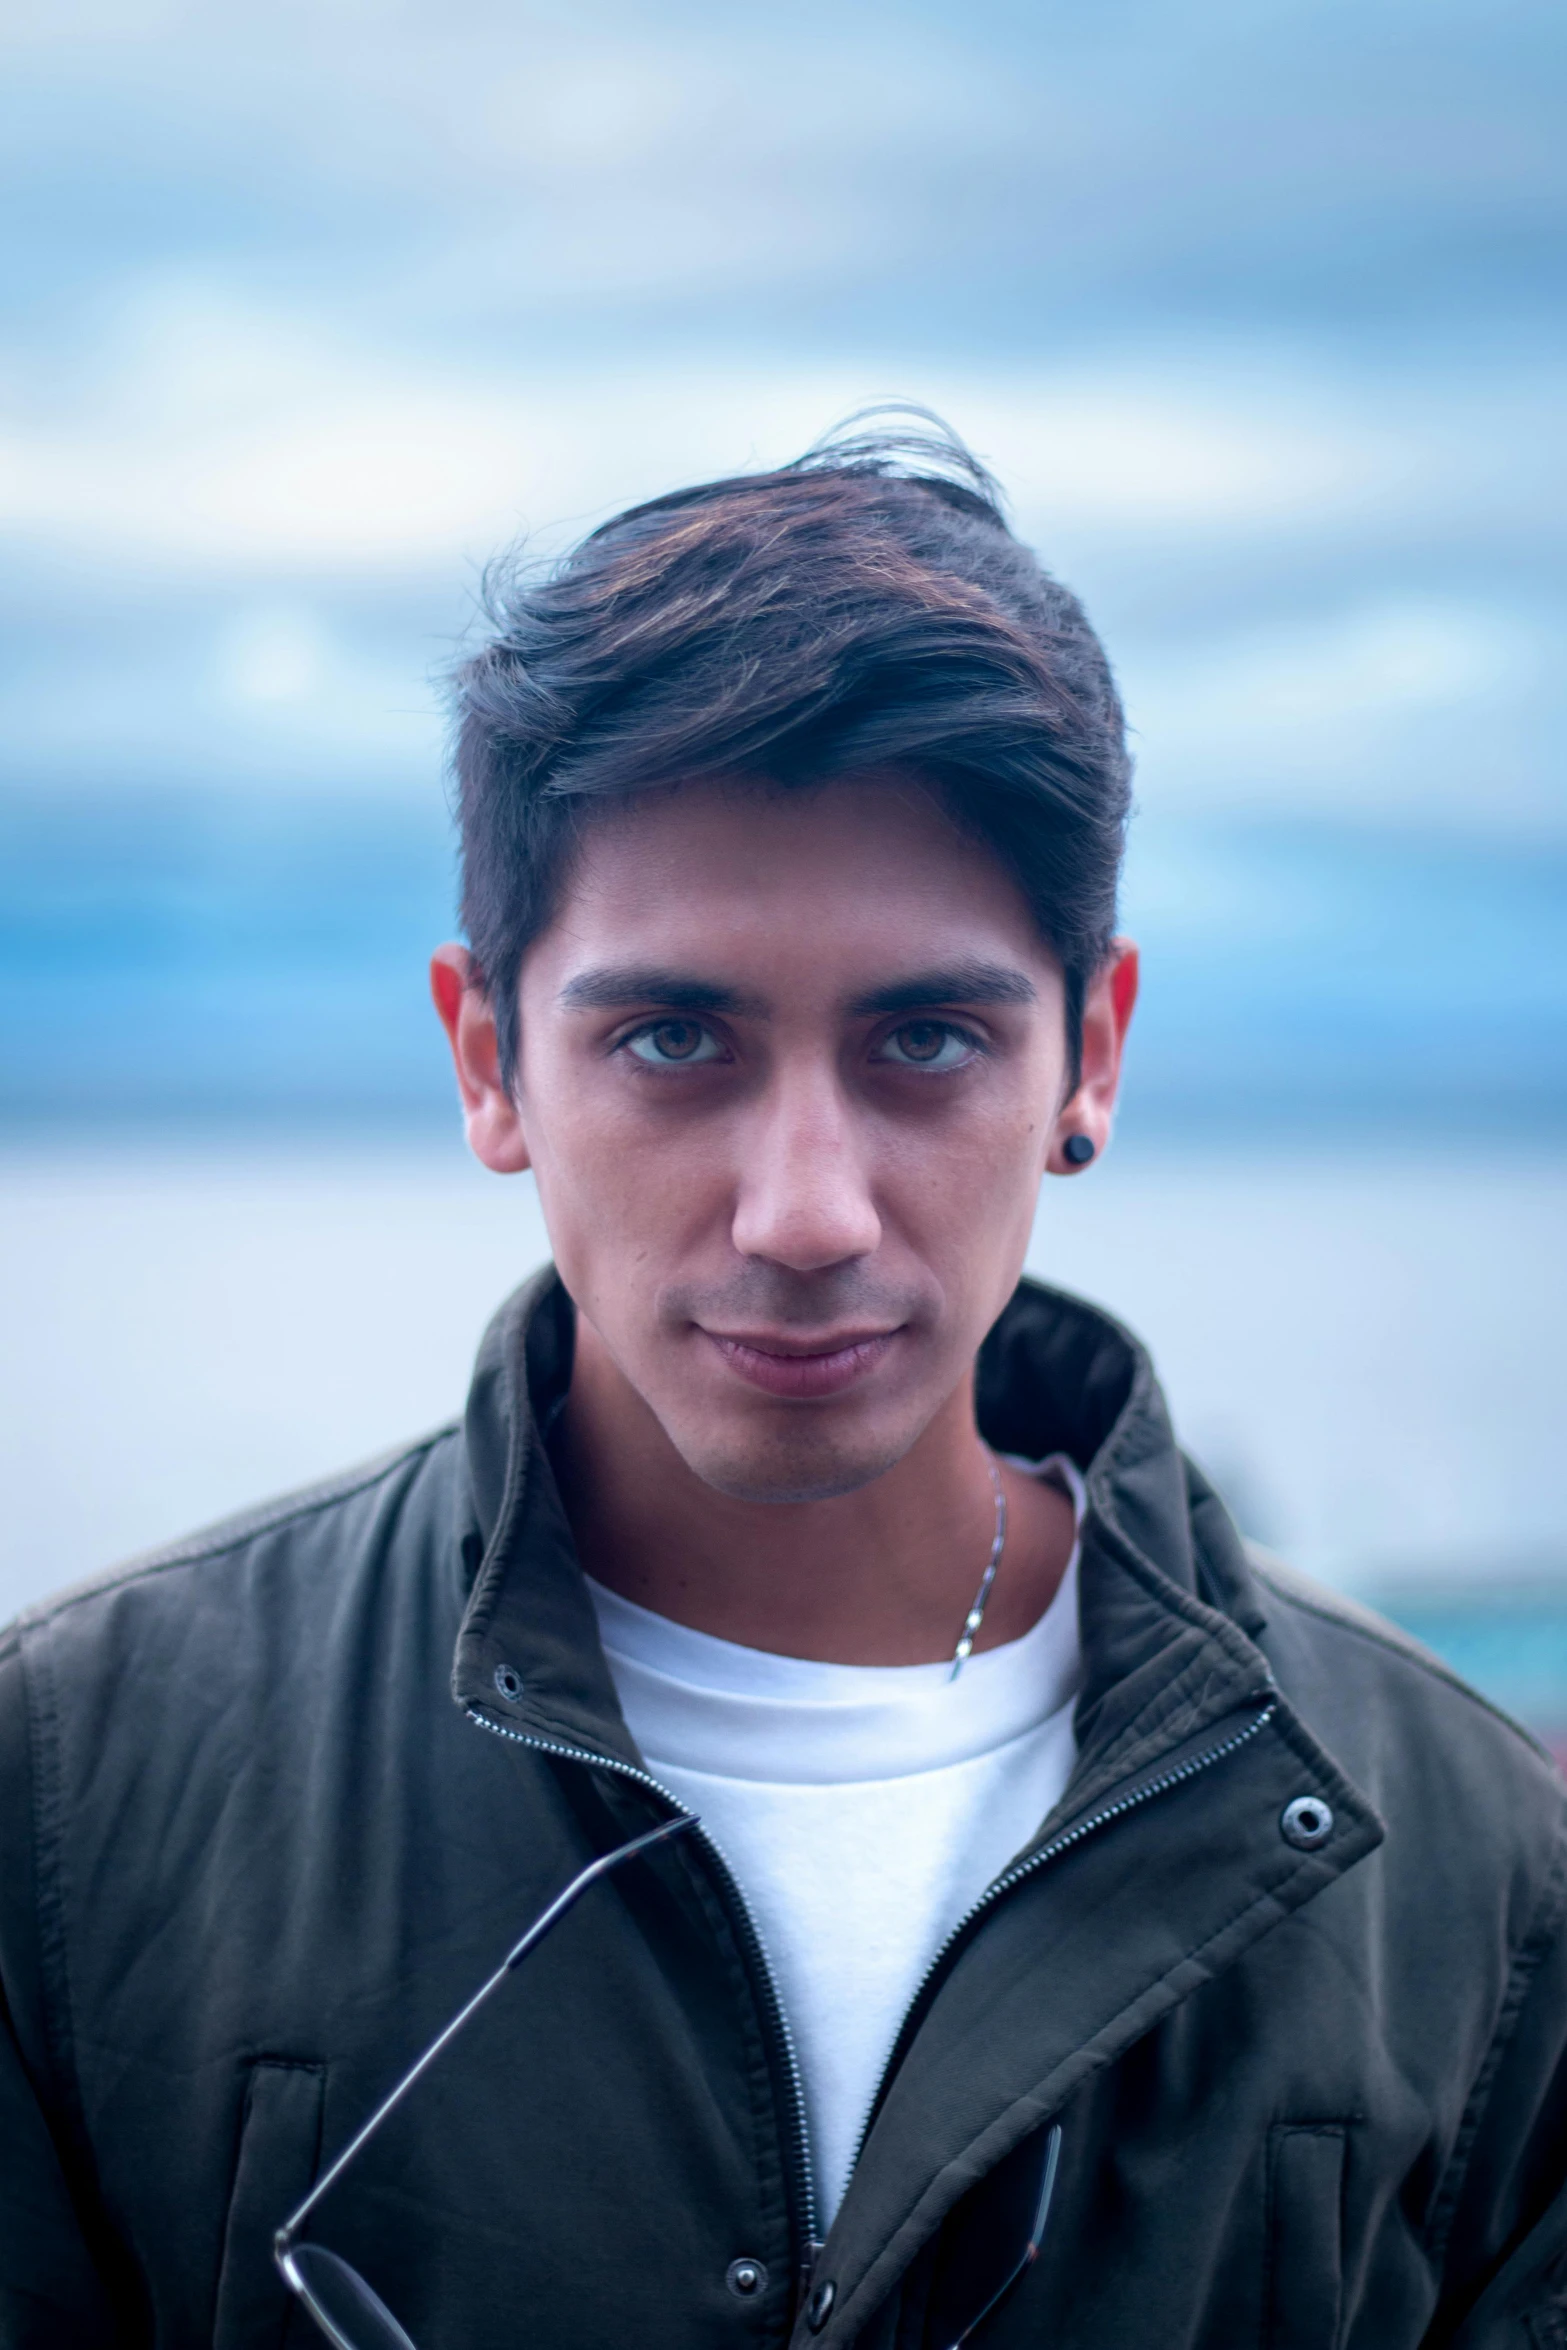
(799, 2151)
(799, 2164)
(1027, 1868)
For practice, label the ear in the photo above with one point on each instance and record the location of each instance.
(1107, 1012)
(490, 1114)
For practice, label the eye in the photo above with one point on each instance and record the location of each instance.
(928, 1044)
(671, 1044)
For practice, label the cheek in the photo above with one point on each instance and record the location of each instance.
(962, 1196)
(623, 1200)
(985, 1149)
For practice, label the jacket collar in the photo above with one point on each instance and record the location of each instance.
(1169, 1608)
(528, 1651)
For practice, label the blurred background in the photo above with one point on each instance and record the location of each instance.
(1256, 310)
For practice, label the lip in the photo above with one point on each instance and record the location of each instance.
(781, 1367)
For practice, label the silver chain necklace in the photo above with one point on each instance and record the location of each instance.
(976, 1614)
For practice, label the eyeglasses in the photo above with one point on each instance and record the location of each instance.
(351, 2316)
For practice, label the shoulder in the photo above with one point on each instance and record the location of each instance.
(151, 1694)
(1443, 1764)
(188, 1603)
(1342, 1627)
(159, 1724)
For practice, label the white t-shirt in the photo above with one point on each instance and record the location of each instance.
(863, 1810)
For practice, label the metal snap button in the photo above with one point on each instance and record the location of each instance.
(819, 2307)
(745, 2279)
(508, 1681)
(1306, 1823)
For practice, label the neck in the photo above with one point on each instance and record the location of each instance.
(880, 1576)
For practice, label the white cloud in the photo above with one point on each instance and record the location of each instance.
(1410, 654)
(1129, 449)
(264, 694)
(271, 654)
(287, 698)
(282, 465)
(218, 437)
(222, 439)
(1417, 704)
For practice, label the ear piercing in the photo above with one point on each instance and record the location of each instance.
(1077, 1150)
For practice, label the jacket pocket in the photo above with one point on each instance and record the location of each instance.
(1304, 2285)
(279, 2148)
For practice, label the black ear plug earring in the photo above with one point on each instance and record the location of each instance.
(1077, 1150)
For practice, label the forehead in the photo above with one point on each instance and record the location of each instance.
(855, 875)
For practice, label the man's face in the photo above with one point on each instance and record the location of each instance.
(791, 1067)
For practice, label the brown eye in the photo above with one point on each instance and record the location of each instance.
(671, 1043)
(929, 1044)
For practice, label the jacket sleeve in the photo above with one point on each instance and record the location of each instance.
(1505, 2263)
(52, 2296)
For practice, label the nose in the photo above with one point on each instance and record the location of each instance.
(804, 1196)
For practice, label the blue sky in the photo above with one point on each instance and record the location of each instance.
(1255, 309)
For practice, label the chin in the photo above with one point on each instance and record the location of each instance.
(790, 1465)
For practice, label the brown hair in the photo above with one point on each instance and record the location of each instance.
(864, 608)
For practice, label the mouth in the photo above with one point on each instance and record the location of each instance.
(783, 1365)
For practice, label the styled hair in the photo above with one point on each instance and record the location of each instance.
(865, 608)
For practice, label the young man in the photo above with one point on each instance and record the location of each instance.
(1094, 1936)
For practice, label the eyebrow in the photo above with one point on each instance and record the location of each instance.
(615, 986)
(949, 983)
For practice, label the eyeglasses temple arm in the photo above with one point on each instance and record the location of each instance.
(535, 1934)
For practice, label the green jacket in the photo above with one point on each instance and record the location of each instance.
(1310, 2087)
